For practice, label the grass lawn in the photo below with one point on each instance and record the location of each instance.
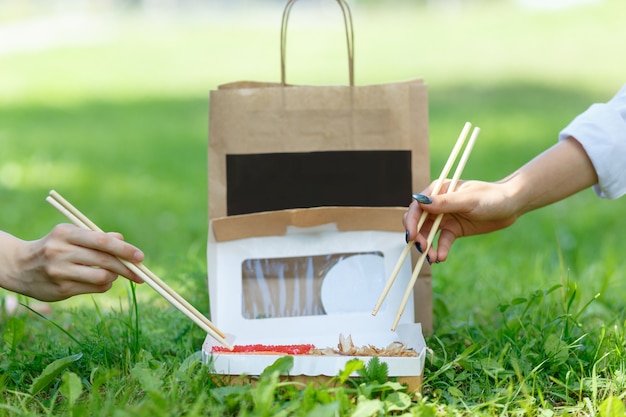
(529, 320)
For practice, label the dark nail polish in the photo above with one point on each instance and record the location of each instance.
(406, 236)
(421, 198)
(418, 247)
(428, 260)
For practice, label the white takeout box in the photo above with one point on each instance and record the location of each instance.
(305, 276)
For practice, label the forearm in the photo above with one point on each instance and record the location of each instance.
(9, 261)
(557, 173)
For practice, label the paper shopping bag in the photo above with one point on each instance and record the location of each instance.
(275, 146)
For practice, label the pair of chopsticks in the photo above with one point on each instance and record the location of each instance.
(433, 231)
(80, 220)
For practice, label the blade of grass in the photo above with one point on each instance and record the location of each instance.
(60, 328)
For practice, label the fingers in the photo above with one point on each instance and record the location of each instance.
(423, 201)
(410, 220)
(111, 243)
(100, 250)
(98, 260)
(421, 242)
(444, 243)
(75, 280)
(435, 204)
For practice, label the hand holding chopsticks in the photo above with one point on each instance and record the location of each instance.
(80, 220)
(433, 231)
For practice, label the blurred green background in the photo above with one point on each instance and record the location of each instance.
(107, 102)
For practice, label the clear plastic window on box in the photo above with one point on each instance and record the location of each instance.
(311, 285)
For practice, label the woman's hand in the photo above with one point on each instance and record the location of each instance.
(66, 262)
(475, 207)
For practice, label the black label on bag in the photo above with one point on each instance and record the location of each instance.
(276, 181)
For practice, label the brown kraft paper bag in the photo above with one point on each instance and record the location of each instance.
(275, 146)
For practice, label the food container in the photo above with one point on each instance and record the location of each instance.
(307, 276)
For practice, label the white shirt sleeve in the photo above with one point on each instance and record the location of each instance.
(601, 130)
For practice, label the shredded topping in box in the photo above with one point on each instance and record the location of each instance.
(346, 347)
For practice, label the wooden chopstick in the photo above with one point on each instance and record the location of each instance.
(435, 227)
(92, 226)
(80, 220)
(444, 174)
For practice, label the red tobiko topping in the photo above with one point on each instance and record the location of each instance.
(281, 349)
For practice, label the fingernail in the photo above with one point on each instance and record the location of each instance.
(406, 236)
(419, 249)
(421, 198)
(138, 256)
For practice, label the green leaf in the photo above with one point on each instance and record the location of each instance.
(397, 401)
(71, 387)
(282, 365)
(222, 394)
(455, 392)
(393, 386)
(553, 288)
(13, 332)
(367, 408)
(149, 379)
(503, 307)
(572, 297)
(375, 371)
(352, 366)
(423, 410)
(462, 376)
(325, 410)
(186, 368)
(556, 349)
(612, 407)
(263, 393)
(52, 371)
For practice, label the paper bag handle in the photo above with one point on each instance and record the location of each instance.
(347, 20)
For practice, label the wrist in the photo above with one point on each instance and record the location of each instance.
(10, 261)
(516, 194)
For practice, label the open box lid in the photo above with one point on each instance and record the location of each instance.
(316, 296)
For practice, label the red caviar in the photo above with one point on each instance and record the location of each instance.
(266, 349)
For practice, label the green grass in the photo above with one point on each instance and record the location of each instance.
(120, 128)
